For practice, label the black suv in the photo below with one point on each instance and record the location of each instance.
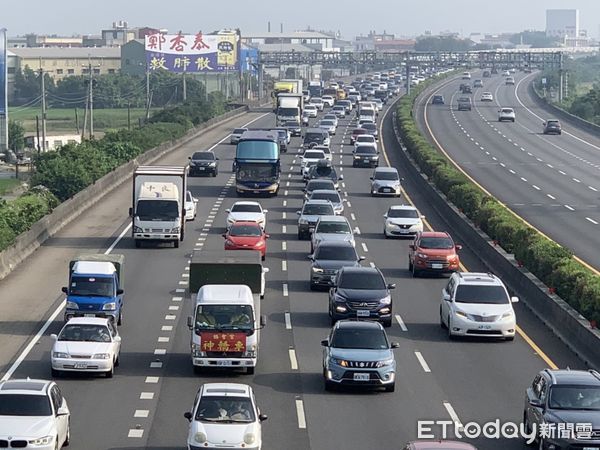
(552, 126)
(361, 293)
(204, 163)
(561, 399)
(328, 258)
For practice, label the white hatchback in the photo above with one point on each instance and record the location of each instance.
(246, 212)
(506, 114)
(191, 206)
(402, 221)
(86, 344)
(225, 415)
(311, 110)
(365, 139)
(477, 305)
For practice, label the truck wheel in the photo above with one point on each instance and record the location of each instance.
(176, 243)
(138, 243)
(250, 371)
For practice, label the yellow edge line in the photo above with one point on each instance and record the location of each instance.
(538, 351)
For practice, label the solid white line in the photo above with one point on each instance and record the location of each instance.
(285, 290)
(422, 362)
(569, 208)
(288, 321)
(293, 359)
(453, 415)
(364, 246)
(114, 244)
(284, 266)
(592, 220)
(401, 323)
(300, 413)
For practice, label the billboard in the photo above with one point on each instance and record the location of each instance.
(193, 53)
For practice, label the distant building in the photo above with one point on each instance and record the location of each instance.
(12, 63)
(395, 45)
(323, 41)
(53, 142)
(562, 23)
(133, 57)
(119, 34)
(34, 40)
(380, 41)
(64, 62)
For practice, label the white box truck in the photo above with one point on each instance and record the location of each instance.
(225, 321)
(289, 108)
(158, 211)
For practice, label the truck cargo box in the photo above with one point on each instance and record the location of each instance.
(226, 267)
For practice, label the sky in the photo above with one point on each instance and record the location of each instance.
(350, 17)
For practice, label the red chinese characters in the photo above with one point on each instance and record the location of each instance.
(199, 43)
(223, 342)
(178, 43)
(155, 41)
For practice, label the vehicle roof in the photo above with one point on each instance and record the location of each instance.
(24, 386)
(435, 234)
(362, 324)
(245, 202)
(370, 136)
(440, 445)
(403, 207)
(335, 244)
(258, 135)
(319, 201)
(479, 278)
(225, 389)
(94, 267)
(220, 293)
(584, 377)
(315, 130)
(88, 321)
(333, 219)
(386, 169)
(325, 191)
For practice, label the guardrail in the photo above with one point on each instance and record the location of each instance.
(561, 113)
(27, 242)
(563, 320)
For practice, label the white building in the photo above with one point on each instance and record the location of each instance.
(562, 23)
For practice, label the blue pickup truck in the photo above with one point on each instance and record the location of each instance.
(95, 287)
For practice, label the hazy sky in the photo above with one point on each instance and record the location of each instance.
(351, 17)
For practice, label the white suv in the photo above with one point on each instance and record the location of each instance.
(33, 414)
(477, 304)
(506, 114)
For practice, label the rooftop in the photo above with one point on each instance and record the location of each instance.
(286, 35)
(68, 52)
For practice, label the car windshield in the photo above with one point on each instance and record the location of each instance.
(204, 156)
(436, 243)
(244, 208)
(507, 111)
(358, 131)
(386, 176)
(403, 213)
(552, 123)
(337, 253)
(91, 286)
(25, 405)
(370, 127)
(245, 230)
(319, 184)
(362, 280)
(157, 210)
(314, 155)
(468, 293)
(333, 228)
(313, 137)
(223, 409)
(368, 339)
(366, 149)
(85, 333)
(365, 139)
(327, 123)
(224, 317)
(317, 210)
(333, 197)
(575, 397)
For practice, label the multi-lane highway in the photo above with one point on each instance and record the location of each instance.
(143, 405)
(550, 180)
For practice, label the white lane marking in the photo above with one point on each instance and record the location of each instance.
(293, 359)
(551, 196)
(141, 413)
(163, 339)
(174, 308)
(591, 220)
(135, 433)
(569, 208)
(284, 266)
(156, 365)
(512, 171)
(535, 187)
(183, 283)
(285, 203)
(593, 188)
(561, 172)
(453, 415)
(576, 180)
(152, 380)
(160, 351)
(166, 328)
(117, 240)
(422, 361)
(285, 290)
(401, 323)
(372, 264)
(364, 246)
(502, 165)
(185, 275)
(550, 165)
(284, 246)
(177, 299)
(285, 192)
(352, 216)
(524, 179)
(357, 231)
(284, 215)
(170, 317)
(300, 414)
(179, 291)
(284, 229)
(343, 185)
(146, 395)
(288, 321)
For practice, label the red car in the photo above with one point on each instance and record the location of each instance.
(434, 252)
(355, 133)
(246, 236)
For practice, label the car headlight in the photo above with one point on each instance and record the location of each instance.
(422, 255)
(46, 440)
(339, 362)
(259, 244)
(200, 437)
(386, 300)
(192, 163)
(228, 242)
(72, 305)
(60, 355)
(302, 221)
(175, 230)
(250, 438)
(101, 356)
(508, 315)
(451, 257)
(317, 270)
(461, 314)
(138, 230)
(197, 351)
(385, 362)
(110, 306)
(356, 157)
(212, 164)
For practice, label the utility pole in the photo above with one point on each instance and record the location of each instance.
(91, 98)
(184, 89)
(147, 92)
(42, 78)
(37, 129)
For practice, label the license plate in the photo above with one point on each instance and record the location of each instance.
(363, 313)
(80, 365)
(201, 168)
(437, 266)
(89, 315)
(485, 327)
(590, 448)
(387, 190)
(403, 231)
(361, 377)
(223, 363)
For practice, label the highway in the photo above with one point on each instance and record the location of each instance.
(549, 180)
(142, 406)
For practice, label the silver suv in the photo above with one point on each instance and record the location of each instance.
(386, 181)
(358, 353)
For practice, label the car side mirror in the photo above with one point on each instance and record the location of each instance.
(391, 286)
(228, 210)
(190, 158)
(120, 291)
(458, 247)
(341, 177)
(267, 236)
(224, 235)
(311, 257)
(190, 322)
(188, 416)
(265, 270)
(324, 343)
(395, 345)
(54, 336)
(265, 211)
(370, 178)
(216, 159)
(445, 295)
(263, 321)
(130, 212)
(65, 290)
(412, 247)
(361, 258)
(195, 200)
(63, 410)
(423, 217)
(117, 339)
(514, 299)
(262, 417)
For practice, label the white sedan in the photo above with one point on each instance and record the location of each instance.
(86, 344)
(365, 139)
(311, 110)
(191, 206)
(318, 102)
(225, 415)
(246, 212)
(487, 97)
(402, 221)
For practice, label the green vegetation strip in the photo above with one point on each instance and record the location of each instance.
(553, 264)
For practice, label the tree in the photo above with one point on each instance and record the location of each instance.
(536, 39)
(16, 136)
